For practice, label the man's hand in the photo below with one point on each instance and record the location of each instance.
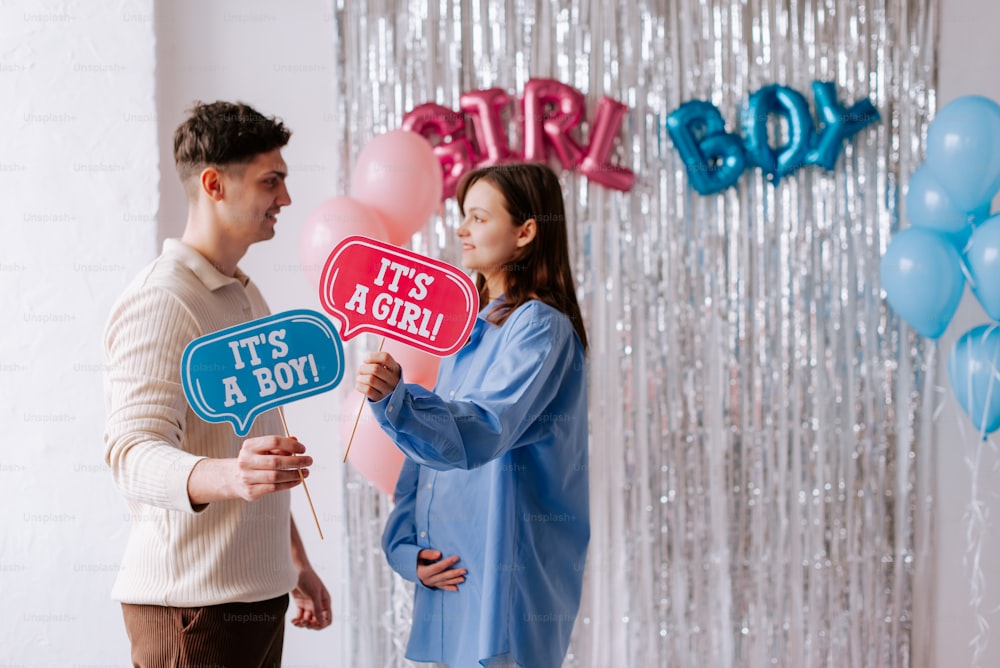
(266, 464)
(269, 464)
(437, 573)
(313, 601)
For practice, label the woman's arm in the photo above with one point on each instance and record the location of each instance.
(399, 538)
(533, 356)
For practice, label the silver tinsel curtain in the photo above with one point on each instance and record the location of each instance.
(760, 443)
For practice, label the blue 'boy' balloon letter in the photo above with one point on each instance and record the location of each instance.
(789, 104)
(836, 123)
(714, 158)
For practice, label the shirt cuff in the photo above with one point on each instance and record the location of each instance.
(403, 560)
(178, 475)
(388, 407)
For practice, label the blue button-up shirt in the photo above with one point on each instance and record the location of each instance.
(496, 473)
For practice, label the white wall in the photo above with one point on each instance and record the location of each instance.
(78, 179)
(86, 135)
(968, 61)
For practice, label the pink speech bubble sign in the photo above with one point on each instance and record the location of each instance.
(372, 286)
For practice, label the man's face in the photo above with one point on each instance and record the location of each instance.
(253, 194)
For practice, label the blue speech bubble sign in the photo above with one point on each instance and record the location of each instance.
(235, 374)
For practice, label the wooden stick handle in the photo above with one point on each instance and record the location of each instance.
(284, 424)
(357, 417)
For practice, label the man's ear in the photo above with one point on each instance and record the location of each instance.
(526, 233)
(211, 183)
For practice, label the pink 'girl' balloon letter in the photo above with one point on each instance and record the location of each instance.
(542, 126)
(596, 163)
(484, 107)
(456, 155)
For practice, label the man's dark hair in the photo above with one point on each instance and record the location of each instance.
(224, 134)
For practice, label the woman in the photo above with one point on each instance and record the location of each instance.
(491, 514)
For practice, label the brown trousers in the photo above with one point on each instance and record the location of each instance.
(230, 635)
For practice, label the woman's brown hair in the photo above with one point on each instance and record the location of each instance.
(541, 269)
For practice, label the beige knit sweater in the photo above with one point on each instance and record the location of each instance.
(228, 551)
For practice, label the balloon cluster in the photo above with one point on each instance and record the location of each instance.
(953, 240)
(395, 188)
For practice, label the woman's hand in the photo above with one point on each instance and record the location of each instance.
(378, 376)
(437, 573)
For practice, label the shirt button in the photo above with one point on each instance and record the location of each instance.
(452, 393)
(430, 485)
(389, 409)
(423, 534)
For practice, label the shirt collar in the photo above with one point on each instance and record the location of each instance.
(212, 278)
(485, 311)
(481, 324)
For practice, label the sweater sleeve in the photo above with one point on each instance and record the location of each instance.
(146, 408)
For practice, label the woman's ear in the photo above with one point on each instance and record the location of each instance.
(526, 233)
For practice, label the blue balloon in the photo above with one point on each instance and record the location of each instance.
(982, 257)
(928, 205)
(980, 214)
(975, 378)
(793, 108)
(713, 157)
(836, 123)
(963, 150)
(921, 273)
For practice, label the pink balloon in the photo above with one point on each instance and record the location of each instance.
(328, 224)
(398, 175)
(543, 126)
(372, 453)
(596, 165)
(484, 107)
(418, 367)
(456, 156)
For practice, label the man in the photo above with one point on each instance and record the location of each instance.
(213, 550)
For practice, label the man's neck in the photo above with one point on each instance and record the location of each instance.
(223, 255)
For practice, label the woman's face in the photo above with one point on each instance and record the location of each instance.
(490, 240)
